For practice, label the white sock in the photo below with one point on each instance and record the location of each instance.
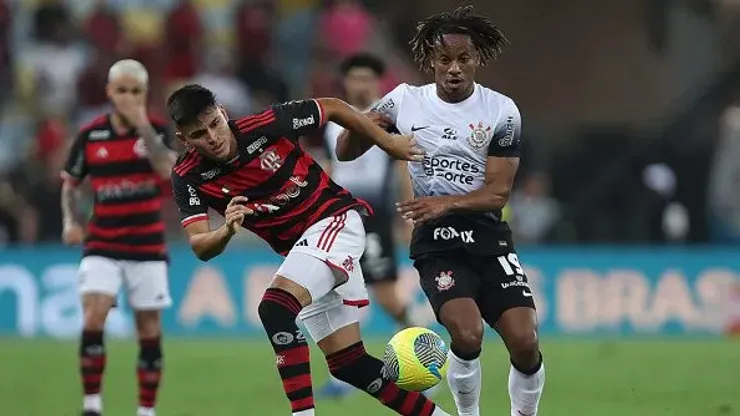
(92, 403)
(464, 379)
(145, 411)
(307, 412)
(525, 391)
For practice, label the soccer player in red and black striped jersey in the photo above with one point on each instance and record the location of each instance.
(253, 172)
(126, 157)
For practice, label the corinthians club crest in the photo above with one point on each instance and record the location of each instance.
(480, 135)
(444, 281)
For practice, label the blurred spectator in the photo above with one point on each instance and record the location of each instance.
(668, 220)
(219, 76)
(183, 37)
(346, 27)
(534, 213)
(5, 44)
(91, 90)
(253, 24)
(724, 197)
(54, 60)
(103, 30)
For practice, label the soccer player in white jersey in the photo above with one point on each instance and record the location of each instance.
(462, 249)
(372, 178)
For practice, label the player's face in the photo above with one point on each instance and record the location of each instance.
(454, 63)
(210, 134)
(126, 86)
(362, 86)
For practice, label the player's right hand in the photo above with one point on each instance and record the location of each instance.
(403, 147)
(73, 234)
(235, 213)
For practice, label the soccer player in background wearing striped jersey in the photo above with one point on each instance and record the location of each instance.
(125, 156)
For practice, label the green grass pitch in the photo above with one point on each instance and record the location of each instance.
(224, 378)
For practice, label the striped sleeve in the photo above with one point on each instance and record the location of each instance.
(189, 201)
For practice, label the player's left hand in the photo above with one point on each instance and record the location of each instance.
(424, 209)
(132, 109)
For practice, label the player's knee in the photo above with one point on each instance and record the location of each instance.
(524, 346)
(466, 334)
(94, 319)
(148, 324)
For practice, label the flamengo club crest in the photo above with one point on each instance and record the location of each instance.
(480, 135)
(444, 281)
(270, 161)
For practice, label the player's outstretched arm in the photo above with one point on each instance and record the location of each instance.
(207, 244)
(399, 147)
(352, 145)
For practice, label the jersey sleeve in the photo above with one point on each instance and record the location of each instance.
(506, 137)
(390, 105)
(75, 169)
(298, 118)
(189, 201)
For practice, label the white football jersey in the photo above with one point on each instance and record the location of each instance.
(368, 177)
(456, 137)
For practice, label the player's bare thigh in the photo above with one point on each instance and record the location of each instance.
(148, 324)
(462, 319)
(298, 291)
(518, 328)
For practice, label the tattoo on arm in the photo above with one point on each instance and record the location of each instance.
(159, 155)
(69, 203)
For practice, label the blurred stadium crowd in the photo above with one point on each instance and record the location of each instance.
(673, 181)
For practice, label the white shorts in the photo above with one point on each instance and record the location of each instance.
(326, 261)
(147, 287)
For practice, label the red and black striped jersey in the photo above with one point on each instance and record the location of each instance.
(126, 223)
(287, 190)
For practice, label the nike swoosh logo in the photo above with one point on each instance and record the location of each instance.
(414, 128)
(526, 294)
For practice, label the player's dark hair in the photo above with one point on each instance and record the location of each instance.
(187, 103)
(362, 60)
(487, 38)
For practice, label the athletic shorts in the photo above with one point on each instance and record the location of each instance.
(379, 262)
(147, 287)
(325, 261)
(496, 282)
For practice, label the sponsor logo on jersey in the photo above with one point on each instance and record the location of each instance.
(449, 134)
(509, 131)
(127, 189)
(450, 233)
(384, 106)
(479, 136)
(254, 146)
(452, 169)
(210, 174)
(99, 135)
(303, 122)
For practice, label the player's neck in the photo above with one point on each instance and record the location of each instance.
(119, 124)
(455, 97)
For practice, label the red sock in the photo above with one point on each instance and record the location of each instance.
(149, 371)
(92, 361)
(278, 311)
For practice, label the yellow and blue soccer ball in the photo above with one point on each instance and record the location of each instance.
(416, 359)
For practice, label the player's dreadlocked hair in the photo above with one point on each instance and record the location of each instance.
(487, 39)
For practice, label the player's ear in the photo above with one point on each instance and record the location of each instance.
(181, 138)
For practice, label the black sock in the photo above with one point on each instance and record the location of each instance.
(149, 371)
(467, 356)
(92, 361)
(356, 367)
(528, 371)
(278, 311)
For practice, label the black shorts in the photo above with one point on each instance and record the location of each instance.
(379, 262)
(496, 282)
